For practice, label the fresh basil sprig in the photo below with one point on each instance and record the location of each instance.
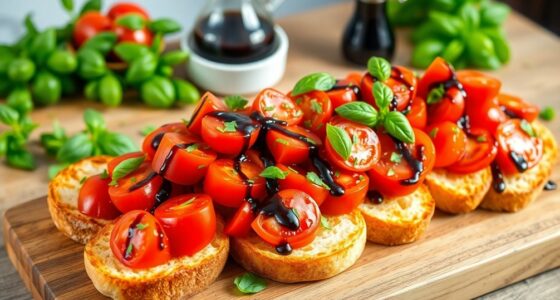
(13, 141)
(126, 167)
(339, 140)
(314, 82)
(132, 21)
(273, 172)
(235, 102)
(436, 94)
(379, 68)
(249, 283)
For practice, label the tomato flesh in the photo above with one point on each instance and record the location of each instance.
(89, 25)
(450, 142)
(438, 72)
(355, 189)
(153, 139)
(274, 104)
(207, 104)
(141, 36)
(345, 91)
(516, 144)
(290, 150)
(517, 107)
(137, 190)
(418, 116)
(94, 199)
(296, 179)
(124, 8)
(480, 151)
(317, 110)
(227, 141)
(240, 224)
(450, 108)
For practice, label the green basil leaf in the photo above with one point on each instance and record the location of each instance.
(164, 26)
(75, 148)
(92, 64)
(547, 114)
(94, 120)
(339, 140)
(379, 68)
(157, 44)
(132, 21)
(8, 115)
(501, 46)
(55, 169)
(426, 51)
(102, 42)
(453, 50)
(325, 223)
(158, 92)
(91, 5)
(129, 51)
(493, 13)
(316, 180)
(30, 26)
(141, 68)
(446, 24)
(273, 172)
(185, 91)
(526, 126)
(42, 46)
(110, 90)
(21, 159)
(359, 112)
(314, 82)
(436, 94)
(249, 283)
(174, 57)
(397, 125)
(470, 16)
(115, 144)
(126, 167)
(68, 5)
(383, 95)
(20, 100)
(27, 126)
(235, 102)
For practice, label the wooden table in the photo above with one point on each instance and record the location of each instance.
(532, 74)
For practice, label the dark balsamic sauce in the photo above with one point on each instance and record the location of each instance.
(498, 182)
(284, 248)
(520, 163)
(417, 165)
(142, 182)
(509, 113)
(397, 75)
(131, 231)
(283, 215)
(550, 186)
(342, 85)
(157, 140)
(375, 197)
(164, 193)
(170, 155)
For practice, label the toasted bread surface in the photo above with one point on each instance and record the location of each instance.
(399, 220)
(523, 188)
(331, 252)
(177, 279)
(458, 193)
(63, 199)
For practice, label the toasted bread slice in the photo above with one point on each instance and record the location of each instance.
(523, 188)
(399, 220)
(458, 193)
(331, 252)
(177, 279)
(63, 199)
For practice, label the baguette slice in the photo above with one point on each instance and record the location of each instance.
(331, 252)
(523, 188)
(458, 193)
(177, 279)
(399, 220)
(63, 199)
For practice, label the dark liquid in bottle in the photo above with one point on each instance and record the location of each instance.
(230, 38)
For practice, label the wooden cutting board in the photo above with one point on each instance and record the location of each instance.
(460, 256)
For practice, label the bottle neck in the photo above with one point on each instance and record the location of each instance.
(371, 8)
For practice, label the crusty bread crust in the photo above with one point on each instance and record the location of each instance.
(523, 188)
(177, 279)
(399, 220)
(331, 252)
(63, 199)
(458, 193)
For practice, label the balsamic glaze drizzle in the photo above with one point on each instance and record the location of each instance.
(340, 85)
(283, 215)
(170, 155)
(131, 231)
(417, 165)
(164, 193)
(519, 161)
(550, 185)
(284, 248)
(142, 182)
(498, 182)
(399, 76)
(157, 140)
(374, 197)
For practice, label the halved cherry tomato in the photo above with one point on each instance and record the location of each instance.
(189, 221)
(365, 146)
(392, 169)
(89, 25)
(182, 158)
(487, 115)
(226, 186)
(354, 77)
(308, 214)
(480, 151)
(94, 199)
(117, 160)
(518, 107)
(480, 87)
(138, 241)
(229, 139)
(240, 224)
(317, 110)
(355, 189)
(137, 190)
(123, 8)
(151, 141)
(438, 72)
(450, 142)
(296, 179)
(402, 82)
(343, 92)
(418, 115)
(515, 143)
(274, 104)
(141, 36)
(287, 149)
(450, 108)
(207, 104)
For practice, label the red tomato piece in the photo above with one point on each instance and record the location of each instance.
(137, 190)
(227, 187)
(345, 91)
(439, 71)
(317, 110)
(189, 221)
(89, 25)
(487, 115)
(354, 77)
(274, 104)
(290, 150)
(296, 179)
(138, 241)
(151, 141)
(365, 146)
(240, 224)
(450, 142)
(517, 149)
(141, 36)
(392, 175)
(355, 189)
(517, 107)
(480, 151)
(207, 104)
(226, 137)
(123, 8)
(94, 199)
(480, 87)
(450, 108)
(402, 82)
(418, 115)
(182, 158)
(308, 215)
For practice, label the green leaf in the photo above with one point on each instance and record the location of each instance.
(249, 283)
(185, 91)
(325, 223)
(526, 126)
(174, 57)
(445, 24)
(314, 82)
(235, 102)
(228, 127)
(94, 120)
(453, 50)
(316, 107)
(339, 140)
(359, 112)
(43, 44)
(91, 5)
(493, 14)
(68, 5)
(379, 68)
(436, 94)
(132, 21)
(547, 114)
(91, 65)
(30, 26)
(21, 159)
(126, 167)
(129, 51)
(395, 157)
(397, 125)
(164, 26)
(75, 148)
(141, 68)
(102, 42)
(157, 44)
(273, 172)
(315, 179)
(8, 115)
(470, 16)
(55, 169)
(383, 95)
(110, 90)
(115, 144)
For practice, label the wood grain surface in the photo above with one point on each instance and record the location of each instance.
(462, 256)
